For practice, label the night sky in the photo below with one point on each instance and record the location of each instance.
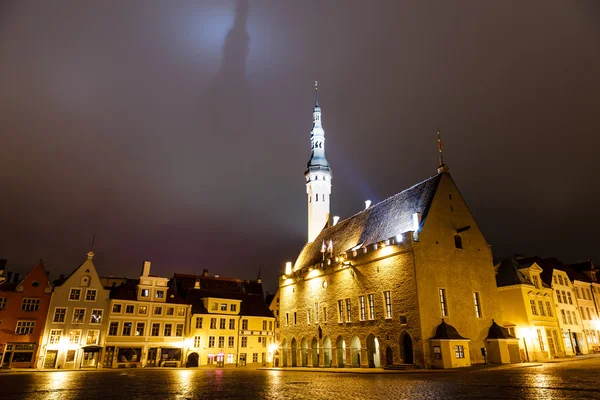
(178, 132)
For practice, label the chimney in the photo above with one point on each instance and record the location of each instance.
(416, 221)
(197, 284)
(146, 269)
(16, 279)
(335, 220)
(205, 272)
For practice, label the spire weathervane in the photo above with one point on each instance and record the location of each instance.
(440, 144)
(93, 240)
(317, 94)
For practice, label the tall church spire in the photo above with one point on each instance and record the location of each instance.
(318, 176)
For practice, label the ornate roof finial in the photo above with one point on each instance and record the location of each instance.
(93, 240)
(442, 167)
(317, 94)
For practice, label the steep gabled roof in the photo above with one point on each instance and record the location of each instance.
(498, 332)
(508, 274)
(382, 221)
(445, 331)
(549, 265)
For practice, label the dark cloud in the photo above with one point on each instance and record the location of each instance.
(179, 131)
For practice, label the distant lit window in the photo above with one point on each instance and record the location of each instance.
(181, 312)
(30, 305)
(477, 302)
(533, 307)
(96, 317)
(160, 294)
(348, 310)
(145, 293)
(549, 309)
(197, 341)
(388, 304)
(362, 308)
(79, 316)
(459, 351)
(116, 309)
(55, 335)
(142, 310)
(74, 336)
(371, 306)
(24, 327)
(443, 302)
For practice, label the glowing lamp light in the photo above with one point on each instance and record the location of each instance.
(288, 268)
(367, 204)
(399, 238)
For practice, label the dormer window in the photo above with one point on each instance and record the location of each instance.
(145, 293)
(536, 281)
(160, 294)
(223, 307)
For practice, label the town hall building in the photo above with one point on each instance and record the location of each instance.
(409, 280)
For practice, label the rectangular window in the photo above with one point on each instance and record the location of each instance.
(540, 340)
(211, 341)
(74, 336)
(564, 296)
(316, 313)
(160, 294)
(116, 309)
(197, 341)
(287, 319)
(139, 329)
(569, 318)
(264, 326)
(170, 311)
(90, 294)
(93, 335)
(24, 327)
(270, 325)
(541, 306)
(555, 279)
(2, 303)
(70, 357)
(324, 315)
(167, 330)
(574, 317)
(198, 322)
(362, 307)
(533, 308)
(126, 329)
(223, 307)
(231, 323)
(113, 328)
(308, 316)
(179, 330)
(477, 304)
(295, 319)
(145, 293)
(371, 306)
(213, 323)
(75, 294)
(30, 305)
(255, 357)
(560, 280)
(536, 281)
(233, 307)
(214, 307)
(388, 304)
(341, 310)
(143, 310)
(230, 341)
(55, 335)
(222, 323)
(564, 316)
(96, 317)
(129, 309)
(459, 351)
(443, 302)
(181, 312)
(221, 341)
(79, 316)
(157, 310)
(569, 298)
(549, 309)
(244, 341)
(59, 314)
(348, 310)
(244, 324)
(155, 329)
(558, 296)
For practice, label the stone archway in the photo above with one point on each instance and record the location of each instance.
(304, 350)
(373, 355)
(192, 360)
(284, 353)
(294, 353)
(340, 352)
(327, 352)
(355, 351)
(389, 356)
(315, 352)
(406, 347)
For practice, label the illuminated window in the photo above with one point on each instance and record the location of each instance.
(145, 293)
(181, 312)
(24, 327)
(96, 317)
(79, 316)
(388, 304)
(341, 310)
(549, 309)
(371, 306)
(155, 331)
(93, 335)
(540, 340)
(443, 302)
(362, 307)
(143, 310)
(564, 316)
(139, 329)
(264, 326)
(569, 318)
(197, 341)
(574, 317)
(459, 351)
(70, 356)
(198, 322)
(255, 357)
(541, 306)
(55, 335)
(74, 336)
(223, 307)
(116, 309)
(477, 304)
(160, 294)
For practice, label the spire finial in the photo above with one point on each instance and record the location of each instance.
(93, 240)
(443, 167)
(316, 94)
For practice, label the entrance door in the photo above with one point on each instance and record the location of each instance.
(551, 345)
(192, 360)
(109, 354)
(50, 360)
(151, 360)
(90, 358)
(242, 360)
(389, 356)
(407, 349)
(576, 343)
(220, 359)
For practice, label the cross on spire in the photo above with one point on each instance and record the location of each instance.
(317, 94)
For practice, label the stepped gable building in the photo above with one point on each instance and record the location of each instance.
(23, 308)
(529, 311)
(146, 324)
(75, 326)
(554, 274)
(230, 323)
(372, 290)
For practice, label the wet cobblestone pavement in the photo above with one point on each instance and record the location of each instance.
(568, 380)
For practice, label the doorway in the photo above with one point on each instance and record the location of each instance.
(50, 360)
(407, 348)
(192, 360)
